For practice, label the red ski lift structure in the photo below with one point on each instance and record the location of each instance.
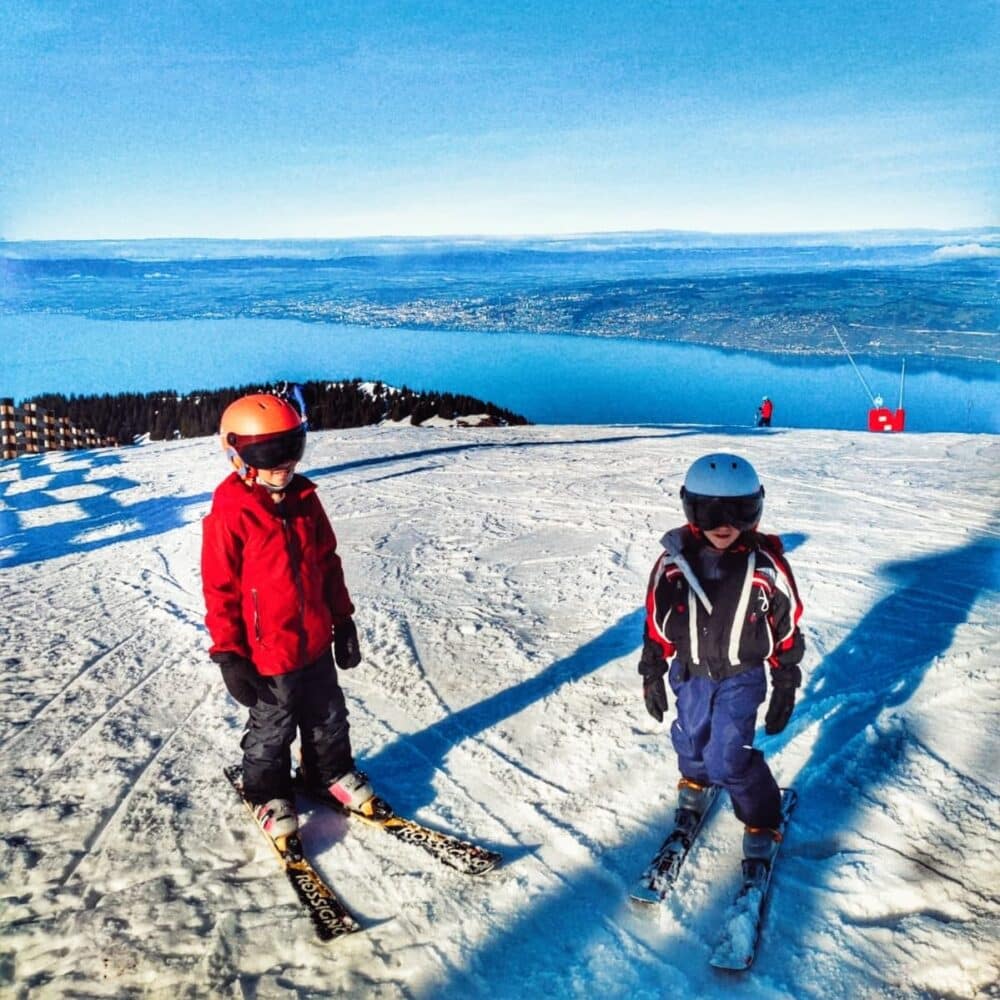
(880, 417)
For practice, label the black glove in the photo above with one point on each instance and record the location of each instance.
(346, 650)
(784, 681)
(655, 693)
(653, 666)
(241, 679)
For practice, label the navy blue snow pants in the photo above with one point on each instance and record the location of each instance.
(308, 700)
(713, 736)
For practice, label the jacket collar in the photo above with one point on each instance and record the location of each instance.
(297, 491)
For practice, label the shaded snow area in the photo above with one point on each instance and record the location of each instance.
(499, 576)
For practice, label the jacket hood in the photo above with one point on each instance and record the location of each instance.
(674, 540)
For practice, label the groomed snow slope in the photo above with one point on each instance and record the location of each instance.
(498, 575)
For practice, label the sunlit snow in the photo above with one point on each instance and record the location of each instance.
(499, 576)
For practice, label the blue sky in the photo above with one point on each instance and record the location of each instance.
(127, 120)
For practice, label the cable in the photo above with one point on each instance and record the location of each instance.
(857, 370)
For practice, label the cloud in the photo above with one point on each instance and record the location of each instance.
(965, 250)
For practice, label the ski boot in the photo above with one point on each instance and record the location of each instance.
(355, 794)
(692, 800)
(278, 819)
(759, 846)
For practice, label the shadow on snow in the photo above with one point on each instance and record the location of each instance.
(103, 519)
(881, 662)
(97, 516)
(581, 940)
(450, 449)
(418, 757)
(877, 667)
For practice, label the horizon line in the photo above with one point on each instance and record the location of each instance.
(516, 237)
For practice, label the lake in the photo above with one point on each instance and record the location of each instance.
(549, 378)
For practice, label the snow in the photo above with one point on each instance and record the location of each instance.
(737, 934)
(498, 575)
(470, 420)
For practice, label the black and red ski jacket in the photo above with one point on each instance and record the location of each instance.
(273, 582)
(718, 628)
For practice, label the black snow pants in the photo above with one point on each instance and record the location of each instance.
(308, 700)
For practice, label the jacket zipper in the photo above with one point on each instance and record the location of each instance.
(296, 567)
(256, 613)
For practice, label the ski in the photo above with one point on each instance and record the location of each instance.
(329, 915)
(659, 878)
(737, 946)
(462, 855)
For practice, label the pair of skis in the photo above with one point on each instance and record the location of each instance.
(330, 916)
(737, 943)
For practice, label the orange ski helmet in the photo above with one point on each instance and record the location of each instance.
(261, 431)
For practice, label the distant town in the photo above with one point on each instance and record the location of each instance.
(905, 313)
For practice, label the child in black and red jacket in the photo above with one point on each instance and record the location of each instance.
(722, 605)
(276, 600)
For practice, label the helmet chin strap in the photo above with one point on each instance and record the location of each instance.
(244, 471)
(249, 474)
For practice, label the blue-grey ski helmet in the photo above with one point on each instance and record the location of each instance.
(722, 489)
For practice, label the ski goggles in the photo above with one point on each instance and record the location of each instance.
(268, 451)
(709, 513)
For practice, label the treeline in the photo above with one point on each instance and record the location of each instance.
(163, 415)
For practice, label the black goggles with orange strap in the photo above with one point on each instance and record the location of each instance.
(268, 451)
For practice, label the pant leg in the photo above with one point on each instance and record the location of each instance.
(267, 765)
(729, 754)
(692, 726)
(325, 734)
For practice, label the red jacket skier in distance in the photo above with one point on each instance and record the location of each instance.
(274, 586)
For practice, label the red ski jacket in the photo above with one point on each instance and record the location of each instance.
(273, 583)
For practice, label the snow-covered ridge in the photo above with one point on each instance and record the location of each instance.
(498, 576)
(384, 392)
(132, 417)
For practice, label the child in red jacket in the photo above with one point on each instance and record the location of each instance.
(275, 598)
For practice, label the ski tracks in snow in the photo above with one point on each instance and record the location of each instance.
(499, 576)
(102, 696)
